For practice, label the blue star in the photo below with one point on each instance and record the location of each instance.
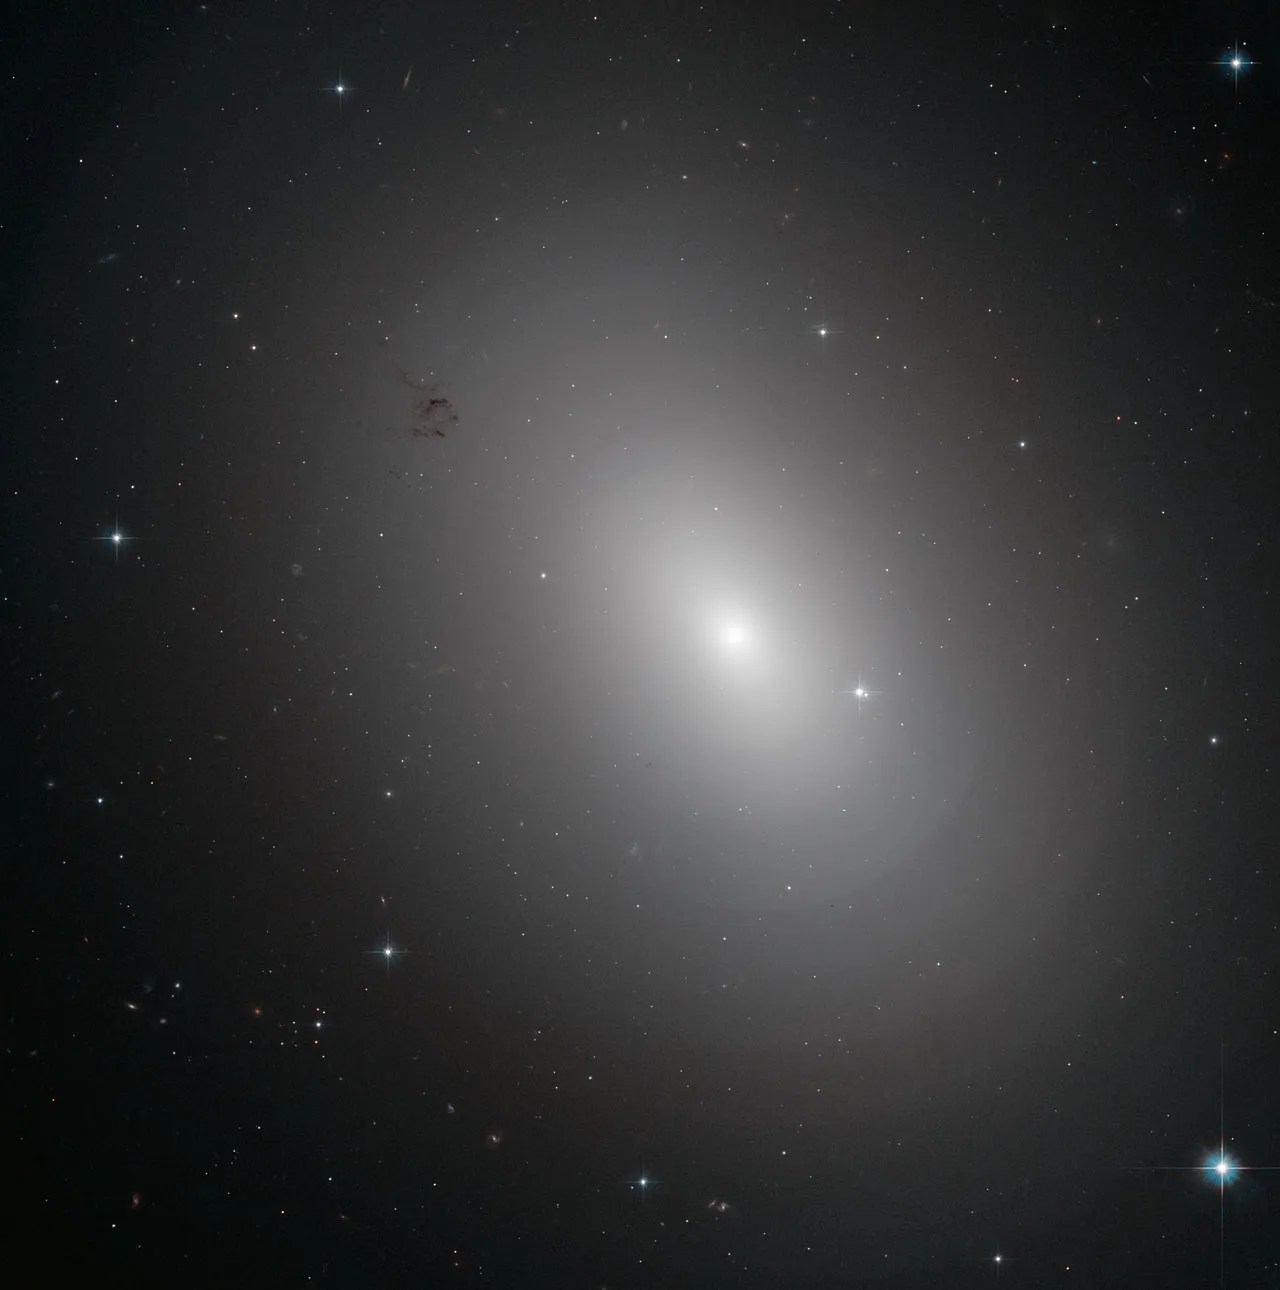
(1236, 62)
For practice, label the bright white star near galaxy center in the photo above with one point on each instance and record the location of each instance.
(862, 693)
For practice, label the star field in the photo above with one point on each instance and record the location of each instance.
(641, 647)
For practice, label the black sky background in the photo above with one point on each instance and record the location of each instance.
(934, 350)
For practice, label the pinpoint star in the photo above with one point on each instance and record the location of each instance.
(340, 90)
(1237, 62)
(824, 332)
(116, 538)
(642, 1184)
(861, 693)
(1221, 1168)
(387, 952)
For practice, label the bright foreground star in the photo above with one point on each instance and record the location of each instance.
(387, 953)
(641, 1184)
(1236, 62)
(861, 692)
(116, 538)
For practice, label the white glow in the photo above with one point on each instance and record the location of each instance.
(736, 635)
